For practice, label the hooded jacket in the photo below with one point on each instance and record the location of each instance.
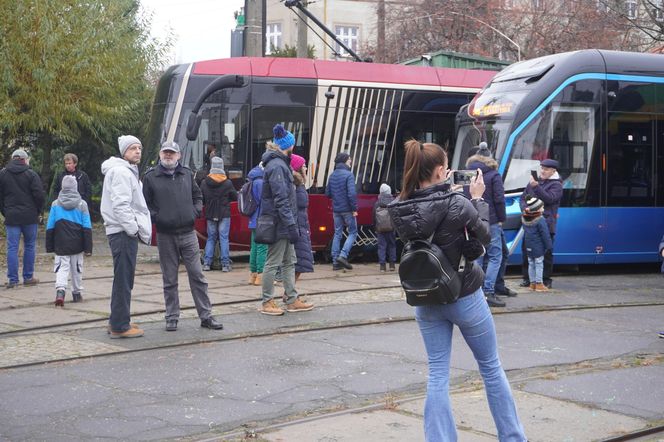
(218, 192)
(21, 194)
(82, 182)
(439, 211)
(174, 200)
(305, 257)
(68, 230)
(550, 192)
(494, 193)
(123, 206)
(341, 188)
(278, 196)
(536, 236)
(256, 175)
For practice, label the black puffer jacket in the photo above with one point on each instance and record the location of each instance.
(175, 201)
(21, 194)
(217, 197)
(438, 209)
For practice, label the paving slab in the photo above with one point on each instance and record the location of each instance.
(628, 391)
(544, 419)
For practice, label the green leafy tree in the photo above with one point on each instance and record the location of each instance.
(73, 72)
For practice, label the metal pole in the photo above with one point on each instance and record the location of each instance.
(298, 5)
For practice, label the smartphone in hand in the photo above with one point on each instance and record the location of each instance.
(463, 177)
(533, 173)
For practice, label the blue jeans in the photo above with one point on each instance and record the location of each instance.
(494, 257)
(29, 232)
(535, 269)
(473, 317)
(387, 247)
(341, 220)
(218, 230)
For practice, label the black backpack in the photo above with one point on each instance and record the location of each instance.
(246, 203)
(427, 276)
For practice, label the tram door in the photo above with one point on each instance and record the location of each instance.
(631, 213)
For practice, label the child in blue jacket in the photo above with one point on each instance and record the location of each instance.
(537, 240)
(69, 235)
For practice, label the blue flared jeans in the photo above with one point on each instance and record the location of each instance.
(473, 317)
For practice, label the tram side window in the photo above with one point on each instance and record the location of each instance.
(631, 160)
(223, 126)
(295, 119)
(565, 130)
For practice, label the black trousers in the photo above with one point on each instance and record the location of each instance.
(548, 262)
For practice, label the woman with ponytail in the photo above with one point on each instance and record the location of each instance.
(427, 208)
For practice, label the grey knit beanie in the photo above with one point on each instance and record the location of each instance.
(125, 141)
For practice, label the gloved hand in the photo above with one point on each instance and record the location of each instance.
(293, 233)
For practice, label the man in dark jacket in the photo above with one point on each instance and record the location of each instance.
(82, 180)
(494, 195)
(175, 201)
(218, 192)
(279, 217)
(341, 188)
(21, 201)
(549, 189)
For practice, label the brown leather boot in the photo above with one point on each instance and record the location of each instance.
(259, 279)
(252, 278)
(539, 287)
(532, 286)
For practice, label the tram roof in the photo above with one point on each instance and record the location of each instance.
(306, 68)
(611, 62)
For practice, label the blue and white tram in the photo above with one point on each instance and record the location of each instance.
(601, 115)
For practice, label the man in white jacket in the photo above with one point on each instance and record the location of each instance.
(127, 220)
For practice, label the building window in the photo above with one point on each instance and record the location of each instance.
(631, 8)
(538, 5)
(348, 35)
(272, 37)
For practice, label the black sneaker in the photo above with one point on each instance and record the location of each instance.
(548, 283)
(524, 283)
(383, 268)
(11, 285)
(392, 268)
(76, 297)
(493, 301)
(336, 267)
(171, 325)
(507, 292)
(343, 262)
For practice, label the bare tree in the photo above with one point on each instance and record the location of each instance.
(501, 29)
(644, 18)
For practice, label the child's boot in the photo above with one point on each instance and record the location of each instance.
(539, 287)
(77, 297)
(259, 279)
(382, 267)
(252, 278)
(60, 298)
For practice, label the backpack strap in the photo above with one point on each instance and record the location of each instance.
(462, 261)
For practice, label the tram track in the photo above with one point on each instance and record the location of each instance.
(285, 330)
(535, 309)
